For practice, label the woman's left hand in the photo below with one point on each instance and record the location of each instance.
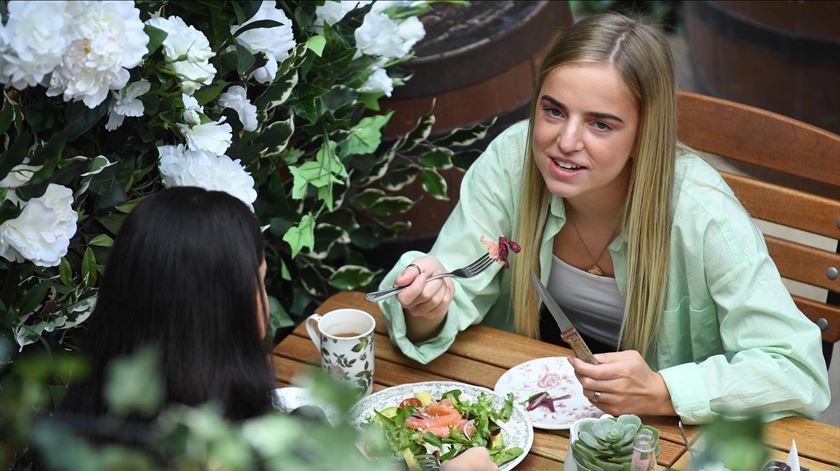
(623, 383)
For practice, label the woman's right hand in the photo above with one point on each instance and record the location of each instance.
(474, 459)
(424, 304)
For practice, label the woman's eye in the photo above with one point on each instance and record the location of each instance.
(602, 126)
(553, 112)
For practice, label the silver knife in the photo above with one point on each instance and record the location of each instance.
(567, 330)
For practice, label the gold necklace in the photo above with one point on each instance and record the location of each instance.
(594, 268)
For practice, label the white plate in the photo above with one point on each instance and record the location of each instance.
(287, 400)
(552, 374)
(517, 432)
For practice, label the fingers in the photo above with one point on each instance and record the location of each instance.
(411, 272)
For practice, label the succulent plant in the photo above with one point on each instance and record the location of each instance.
(607, 444)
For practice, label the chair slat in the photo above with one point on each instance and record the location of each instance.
(759, 137)
(803, 263)
(786, 206)
(816, 310)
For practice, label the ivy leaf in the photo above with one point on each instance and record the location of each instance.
(207, 94)
(464, 159)
(89, 268)
(133, 384)
(277, 94)
(244, 59)
(6, 115)
(398, 179)
(276, 136)
(367, 198)
(97, 164)
(102, 240)
(277, 316)
(366, 136)
(33, 297)
(351, 277)
(156, 37)
(467, 136)
(316, 44)
(65, 272)
(391, 205)
(436, 158)
(302, 235)
(420, 132)
(434, 184)
(257, 24)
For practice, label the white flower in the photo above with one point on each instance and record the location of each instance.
(187, 51)
(125, 103)
(107, 38)
(42, 231)
(33, 41)
(266, 73)
(378, 82)
(191, 110)
(213, 137)
(181, 167)
(379, 35)
(276, 42)
(236, 99)
(331, 12)
(193, 75)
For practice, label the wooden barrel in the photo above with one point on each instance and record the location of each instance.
(476, 62)
(782, 56)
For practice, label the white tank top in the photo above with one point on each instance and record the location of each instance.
(591, 302)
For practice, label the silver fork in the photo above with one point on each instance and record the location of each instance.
(428, 462)
(468, 271)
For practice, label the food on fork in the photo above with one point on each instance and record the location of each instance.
(499, 251)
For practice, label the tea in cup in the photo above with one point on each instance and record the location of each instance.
(345, 339)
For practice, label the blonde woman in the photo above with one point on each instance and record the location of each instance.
(639, 240)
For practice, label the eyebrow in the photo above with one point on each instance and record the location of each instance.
(594, 114)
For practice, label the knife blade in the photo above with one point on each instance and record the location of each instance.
(567, 330)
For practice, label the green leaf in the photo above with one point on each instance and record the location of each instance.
(466, 136)
(434, 184)
(367, 198)
(97, 164)
(420, 132)
(277, 94)
(365, 136)
(390, 205)
(302, 235)
(133, 384)
(351, 277)
(65, 272)
(6, 115)
(244, 59)
(240, 15)
(129, 205)
(33, 297)
(257, 24)
(371, 100)
(81, 118)
(102, 240)
(277, 316)
(464, 159)
(316, 44)
(436, 158)
(398, 179)
(284, 271)
(16, 153)
(89, 268)
(276, 136)
(156, 37)
(207, 94)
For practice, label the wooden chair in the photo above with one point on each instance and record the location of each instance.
(788, 174)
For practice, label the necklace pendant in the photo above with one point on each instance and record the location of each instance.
(595, 270)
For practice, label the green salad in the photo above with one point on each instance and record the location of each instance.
(446, 426)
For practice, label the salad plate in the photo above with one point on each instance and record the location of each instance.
(516, 432)
(554, 376)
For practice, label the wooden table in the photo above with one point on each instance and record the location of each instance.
(480, 355)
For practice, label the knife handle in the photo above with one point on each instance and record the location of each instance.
(573, 338)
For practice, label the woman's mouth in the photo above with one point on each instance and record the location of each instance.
(563, 169)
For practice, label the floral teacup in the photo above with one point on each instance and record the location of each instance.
(345, 339)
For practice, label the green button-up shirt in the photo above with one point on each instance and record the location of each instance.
(731, 340)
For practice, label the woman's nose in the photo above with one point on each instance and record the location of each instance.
(569, 140)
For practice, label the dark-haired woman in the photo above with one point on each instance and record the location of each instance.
(185, 275)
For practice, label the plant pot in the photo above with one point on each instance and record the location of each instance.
(569, 463)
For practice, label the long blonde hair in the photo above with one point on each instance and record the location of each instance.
(641, 56)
